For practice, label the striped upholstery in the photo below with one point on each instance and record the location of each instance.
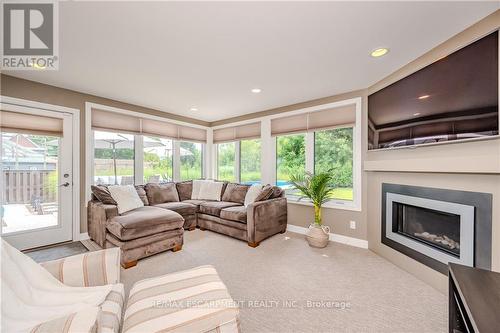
(109, 318)
(83, 321)
(192, 301)
(86, 270)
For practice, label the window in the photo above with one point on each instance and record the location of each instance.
(191, 160)
(113, 158)
(250, 161)
(290, 158)
(333, 152)
(158, 161)
(226, 153)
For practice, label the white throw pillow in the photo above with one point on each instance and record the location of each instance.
(126, 197)
(252, 194)
(195, 194)
(211, 191)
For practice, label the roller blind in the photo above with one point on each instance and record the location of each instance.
(234, 133)
(30, 124)
(329, 118)
(116, 122)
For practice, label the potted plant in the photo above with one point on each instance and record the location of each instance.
(317, 188)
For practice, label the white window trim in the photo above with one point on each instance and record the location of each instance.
(268, 152)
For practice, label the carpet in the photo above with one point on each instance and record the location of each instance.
(286, 286)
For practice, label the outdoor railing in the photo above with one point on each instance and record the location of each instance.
(29, 186)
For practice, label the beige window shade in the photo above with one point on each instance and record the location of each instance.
(340, 116)
(192, 134)
(227, 134)
(160, 128)
(30, 124)
(116, 122)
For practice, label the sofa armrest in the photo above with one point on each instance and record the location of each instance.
(89, 269)
(97, 216)
(266, 218)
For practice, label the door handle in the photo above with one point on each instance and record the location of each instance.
(66, 184)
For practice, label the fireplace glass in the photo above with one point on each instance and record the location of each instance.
(440, 230)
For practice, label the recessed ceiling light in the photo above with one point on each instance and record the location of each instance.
(194, 109)
(416, 114)
(379, 52)
(256, 90)
(424, 96)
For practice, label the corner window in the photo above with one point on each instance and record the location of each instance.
(158, 159)
(250, 162)
(191, 160)
(333, 153)
(290, 159)
(226, 154)
(113, 158)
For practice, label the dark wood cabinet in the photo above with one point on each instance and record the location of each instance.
(474, 300)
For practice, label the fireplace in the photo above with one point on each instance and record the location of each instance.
(436, 226)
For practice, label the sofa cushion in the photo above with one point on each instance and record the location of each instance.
(214, 207)
(183, 208)
(142, 194)
(160, 193)
(184, 189)
(235, 193)
(238, 214)
(144, 221)
(102, 194)
(266, 193)
(211, 191)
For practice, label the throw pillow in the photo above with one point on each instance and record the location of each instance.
(197, 187)
(266, 193)
(126, 197)
(210, 191)
(102, 194)
(252, 194)
(184, 189)
(235, 193)
(161, 193)
(277, 192)
(142, 194)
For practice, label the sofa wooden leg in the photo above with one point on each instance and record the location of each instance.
(129, 264)
(253, 244)
(202, 229)
(177, 248)
(282, 232)
(192, 228)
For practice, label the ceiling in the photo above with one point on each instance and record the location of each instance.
(173, 56)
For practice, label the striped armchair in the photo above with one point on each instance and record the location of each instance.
(85, 270)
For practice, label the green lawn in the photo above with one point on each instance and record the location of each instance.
(342, 193)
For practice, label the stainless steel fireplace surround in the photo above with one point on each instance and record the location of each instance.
(438, 226)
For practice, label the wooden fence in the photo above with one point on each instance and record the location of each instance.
(26, 186)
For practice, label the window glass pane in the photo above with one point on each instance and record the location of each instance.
(225, 161)
(333, 153)
(113, 158)
(29, 195)
(191, 157)
(250, 161)
(290, 158)
(157, 160)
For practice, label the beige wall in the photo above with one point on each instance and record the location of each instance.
(34, 91)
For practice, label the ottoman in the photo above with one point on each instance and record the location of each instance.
(143, 232)
(191, 301)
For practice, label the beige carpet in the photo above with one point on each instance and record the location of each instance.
(276, 280)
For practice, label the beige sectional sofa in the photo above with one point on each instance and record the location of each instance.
(169, 210)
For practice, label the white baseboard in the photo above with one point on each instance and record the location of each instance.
(84, 236)
(333, 237)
